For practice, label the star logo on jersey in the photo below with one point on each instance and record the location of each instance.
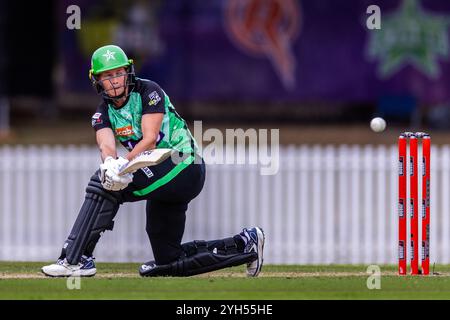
(109, 55)
(410, 36)
(127, 115)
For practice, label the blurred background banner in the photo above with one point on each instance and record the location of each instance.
(277, 50)
(4, 105)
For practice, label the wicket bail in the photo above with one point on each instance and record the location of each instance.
(413, 202)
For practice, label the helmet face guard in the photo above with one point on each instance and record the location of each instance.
(128, 86)
(108, 58)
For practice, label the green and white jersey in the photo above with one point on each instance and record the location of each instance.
(125, 122)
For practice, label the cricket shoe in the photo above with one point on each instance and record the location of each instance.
(254, 242)
(146, 268)
(85, 268)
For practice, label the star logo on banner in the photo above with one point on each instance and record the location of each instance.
(410, 36)
(109, 55)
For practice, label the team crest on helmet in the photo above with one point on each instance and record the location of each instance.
(109, 55)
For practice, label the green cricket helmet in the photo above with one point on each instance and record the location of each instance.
(108, 58)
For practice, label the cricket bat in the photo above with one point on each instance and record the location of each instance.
(146, 159)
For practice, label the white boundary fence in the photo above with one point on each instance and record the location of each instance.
(325, 205)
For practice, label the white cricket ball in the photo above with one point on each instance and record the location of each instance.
(378, 124)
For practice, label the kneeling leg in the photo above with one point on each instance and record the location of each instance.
(199, 260)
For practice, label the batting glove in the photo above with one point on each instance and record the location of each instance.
(109, 177)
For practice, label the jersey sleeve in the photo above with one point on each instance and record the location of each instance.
(100, 119)
(153, 98)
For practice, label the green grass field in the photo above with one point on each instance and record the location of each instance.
(23, 280)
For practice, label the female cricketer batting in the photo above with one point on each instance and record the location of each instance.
(139, 114)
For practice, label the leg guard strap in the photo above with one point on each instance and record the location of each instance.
(223, 247)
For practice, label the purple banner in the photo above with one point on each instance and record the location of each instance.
(277, 50)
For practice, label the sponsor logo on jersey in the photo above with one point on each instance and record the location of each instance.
(125, 131)
(96, 119)
(154, 98)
